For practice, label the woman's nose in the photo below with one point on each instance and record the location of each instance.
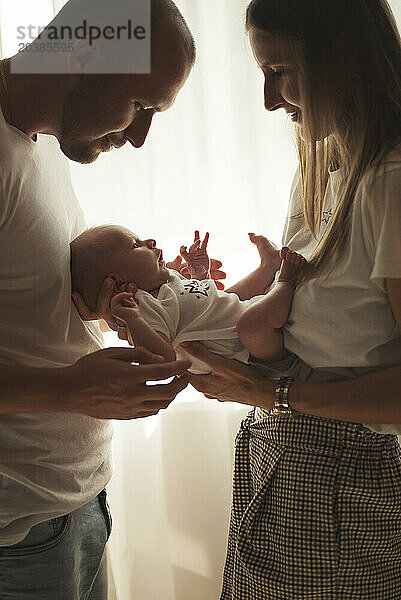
(273, 98)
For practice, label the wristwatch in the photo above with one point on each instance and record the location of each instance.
(281, 404)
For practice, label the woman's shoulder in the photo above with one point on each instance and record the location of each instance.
(382, 179)
(389, 164)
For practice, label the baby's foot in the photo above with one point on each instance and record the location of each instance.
(292, 264)
(268, 252)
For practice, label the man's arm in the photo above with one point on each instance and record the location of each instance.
(104, 384)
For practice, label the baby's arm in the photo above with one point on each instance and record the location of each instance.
(196, 258)
(259, 327)
(259, 280)
(140, 333)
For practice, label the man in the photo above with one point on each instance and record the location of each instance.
(57, 389)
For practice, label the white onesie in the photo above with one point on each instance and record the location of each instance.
(187, 310)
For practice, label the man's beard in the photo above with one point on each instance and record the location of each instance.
(71, 141)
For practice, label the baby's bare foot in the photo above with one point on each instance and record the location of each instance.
(268, 252)
(292, 264)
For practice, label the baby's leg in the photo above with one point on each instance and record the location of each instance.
(259, 327)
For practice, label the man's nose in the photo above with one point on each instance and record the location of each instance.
(137, 132)
(150, 243)
(273, 98)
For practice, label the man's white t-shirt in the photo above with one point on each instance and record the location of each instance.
(50, 463)
(187, 310)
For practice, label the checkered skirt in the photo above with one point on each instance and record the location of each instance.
(316, 512)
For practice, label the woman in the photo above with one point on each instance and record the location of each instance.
(317, 495)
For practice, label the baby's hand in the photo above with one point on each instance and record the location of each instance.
(197, 259)
(122, 305)
(268, 252)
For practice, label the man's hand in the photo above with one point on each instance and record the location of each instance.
(106, 384)
(230, 380)
(102, 309)
(197, 264)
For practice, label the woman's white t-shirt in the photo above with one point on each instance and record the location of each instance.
(345, 320)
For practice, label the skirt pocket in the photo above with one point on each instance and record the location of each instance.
(288, 535)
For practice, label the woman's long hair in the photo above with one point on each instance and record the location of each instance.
(350, 89)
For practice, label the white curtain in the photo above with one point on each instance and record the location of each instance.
(216, 161)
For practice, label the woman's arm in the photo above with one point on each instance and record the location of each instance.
(373, 398)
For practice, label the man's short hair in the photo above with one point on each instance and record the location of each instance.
(74, 12)
(161, 10)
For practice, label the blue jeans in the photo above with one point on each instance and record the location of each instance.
(60, 559)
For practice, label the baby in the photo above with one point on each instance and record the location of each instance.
(167, 309)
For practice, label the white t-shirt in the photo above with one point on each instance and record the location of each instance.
(186, 310)
(345, 320)
(50, 463)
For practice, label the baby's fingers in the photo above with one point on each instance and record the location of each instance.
(184, 253)
(205, 241)
(194, 247)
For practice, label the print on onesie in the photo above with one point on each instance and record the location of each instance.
(199, 288)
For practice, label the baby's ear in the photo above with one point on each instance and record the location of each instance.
(118, 282)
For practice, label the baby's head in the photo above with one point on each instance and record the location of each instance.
(115, 251)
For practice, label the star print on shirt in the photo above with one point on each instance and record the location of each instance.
(196, 287)
(327, 214)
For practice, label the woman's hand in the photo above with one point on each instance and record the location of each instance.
(230, 381)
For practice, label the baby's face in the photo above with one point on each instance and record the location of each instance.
(138, 261)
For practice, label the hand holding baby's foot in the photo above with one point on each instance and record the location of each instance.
(292, 264)
(268, 252)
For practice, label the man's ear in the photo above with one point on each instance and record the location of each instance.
(83, 56)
